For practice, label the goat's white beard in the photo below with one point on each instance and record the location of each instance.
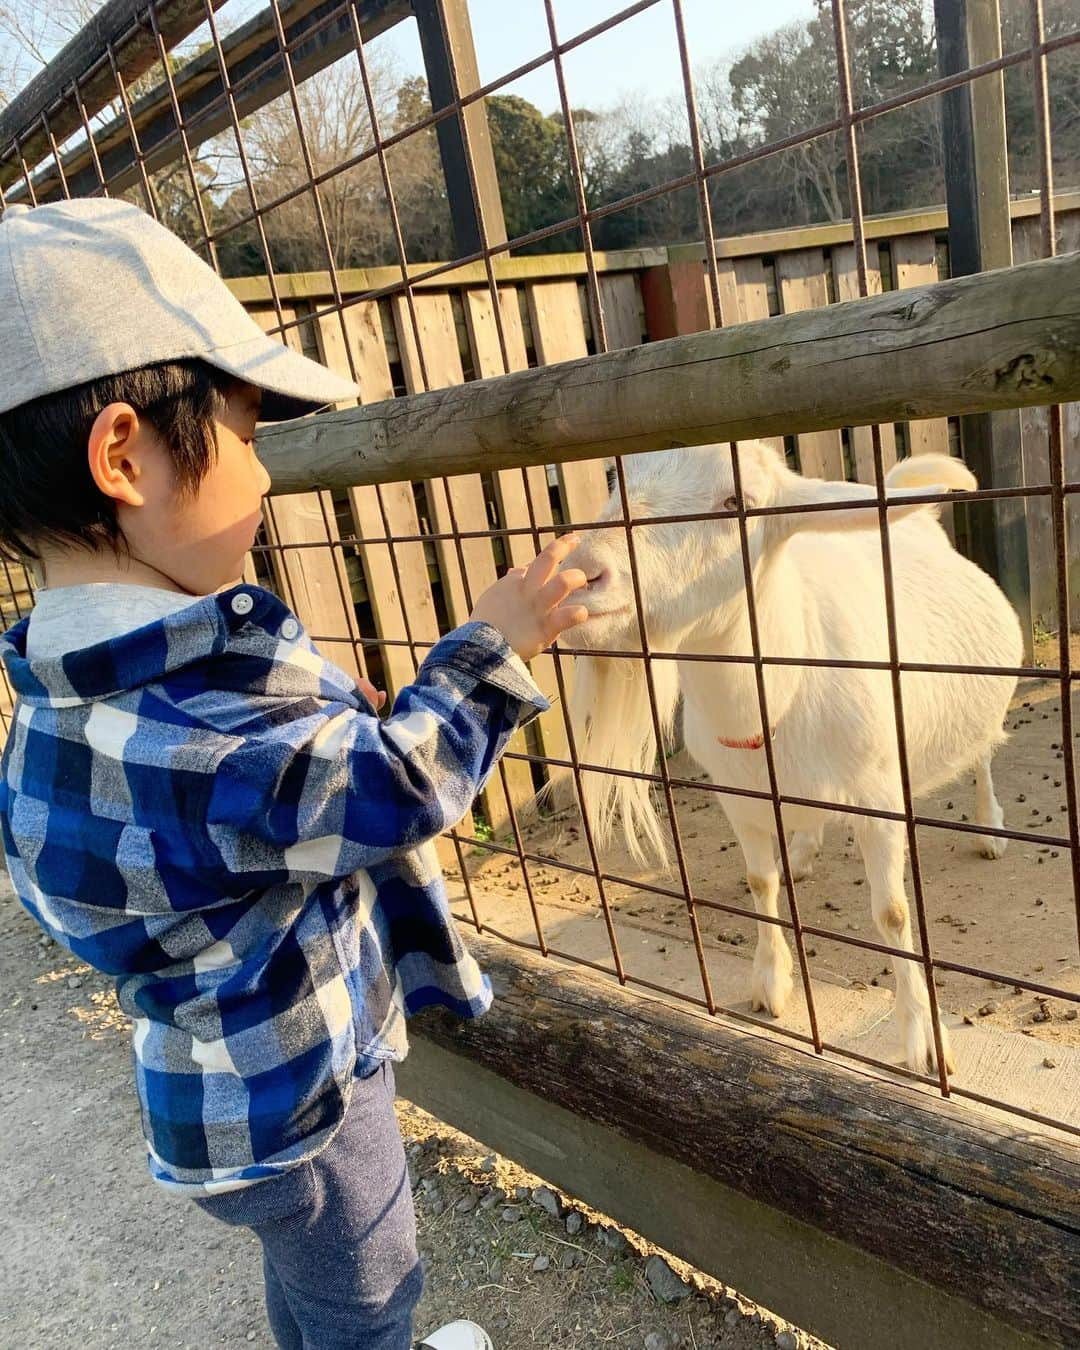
(613, 727)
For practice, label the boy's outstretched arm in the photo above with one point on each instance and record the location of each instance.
(320, 796)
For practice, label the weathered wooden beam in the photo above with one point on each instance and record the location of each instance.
(974, 1207)
(322, 30)
(834, 1290)
(123, 24)
(1003, 339)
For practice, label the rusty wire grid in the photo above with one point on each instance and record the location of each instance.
(91, 128)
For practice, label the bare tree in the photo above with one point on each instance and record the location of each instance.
(338, 132)
(31, 33)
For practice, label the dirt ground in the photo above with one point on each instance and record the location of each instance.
(1014, 917)
(95, 1256)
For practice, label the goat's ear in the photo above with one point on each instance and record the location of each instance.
(852, 506)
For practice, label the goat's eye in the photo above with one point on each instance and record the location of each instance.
(731, 503)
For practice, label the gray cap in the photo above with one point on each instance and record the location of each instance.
(94, 287)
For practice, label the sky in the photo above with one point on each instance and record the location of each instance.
(641, 54)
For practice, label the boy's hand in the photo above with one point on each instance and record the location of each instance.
(376, 697)
(527, 604)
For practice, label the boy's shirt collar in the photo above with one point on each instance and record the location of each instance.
(200, 630)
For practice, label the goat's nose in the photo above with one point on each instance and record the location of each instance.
(597, 576)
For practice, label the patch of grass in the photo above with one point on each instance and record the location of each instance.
(623, 1278)
(503, 1247)
(481, 830)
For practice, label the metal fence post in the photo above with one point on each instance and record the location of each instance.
(448, 49)
(980, 239)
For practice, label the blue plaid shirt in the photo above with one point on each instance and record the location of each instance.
(209, 811)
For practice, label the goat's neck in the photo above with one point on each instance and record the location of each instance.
(728, 691)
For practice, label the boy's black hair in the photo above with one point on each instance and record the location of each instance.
(46, 492)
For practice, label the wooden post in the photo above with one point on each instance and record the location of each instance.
(446, 41)
(676, 299)
(980, 238)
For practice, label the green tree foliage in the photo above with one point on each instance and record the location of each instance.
(532, 165)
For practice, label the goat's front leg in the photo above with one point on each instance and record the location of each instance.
(882, 846)
(988, 810)
(772, 983)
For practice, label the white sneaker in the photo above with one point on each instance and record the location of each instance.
(457, 1336)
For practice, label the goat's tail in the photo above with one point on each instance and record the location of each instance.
(613, 727)
(932, 471)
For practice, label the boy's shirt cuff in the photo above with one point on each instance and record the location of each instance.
(479, 650)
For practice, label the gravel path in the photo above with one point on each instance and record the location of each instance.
(96, 1257)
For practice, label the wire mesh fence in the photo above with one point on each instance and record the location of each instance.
(159, 103)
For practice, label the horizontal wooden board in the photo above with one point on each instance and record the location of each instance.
(934, 351)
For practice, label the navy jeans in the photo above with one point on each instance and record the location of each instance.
(338, 1234)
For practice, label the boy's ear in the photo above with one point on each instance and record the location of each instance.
(113, 452)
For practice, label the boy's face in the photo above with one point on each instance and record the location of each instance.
(199, 540)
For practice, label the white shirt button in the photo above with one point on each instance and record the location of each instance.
(242, 603)
(289, 629)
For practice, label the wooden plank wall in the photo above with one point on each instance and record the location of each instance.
(915, 263)
(431, 358)
(558, 327)
(312, 580)
(744, 295)
(522, 498)
(16, 601)
(433, 341)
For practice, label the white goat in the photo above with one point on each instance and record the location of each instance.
(819, 592)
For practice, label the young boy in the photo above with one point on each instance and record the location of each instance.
(198, 804)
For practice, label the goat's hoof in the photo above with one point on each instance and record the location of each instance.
(919, 1052)
(993, 846)
(771, 989)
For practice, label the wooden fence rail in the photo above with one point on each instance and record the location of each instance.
(939, 351)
